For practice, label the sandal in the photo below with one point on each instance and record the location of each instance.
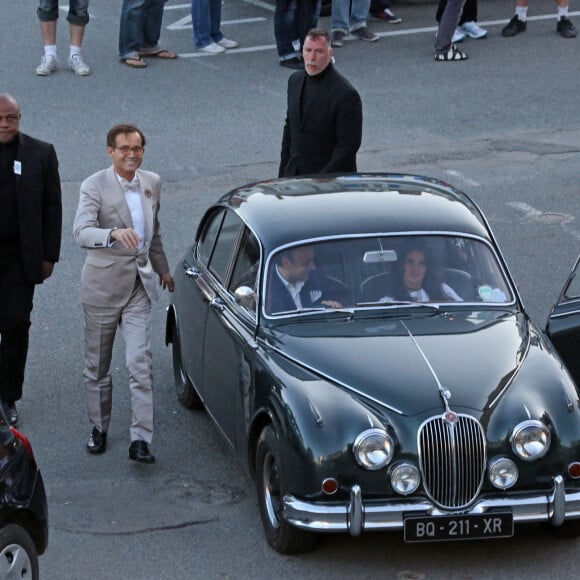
(134, 62)
(452, 54)
(161, 53)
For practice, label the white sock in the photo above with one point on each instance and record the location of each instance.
(522, 13)
(50, 50)
(562, 12)
(74, 50)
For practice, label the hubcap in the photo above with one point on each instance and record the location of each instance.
(15, 562)
(271, 489)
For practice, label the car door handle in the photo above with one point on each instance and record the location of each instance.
(192, 273)
(218, 304)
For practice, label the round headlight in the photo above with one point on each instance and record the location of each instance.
(530, 440)
(373, 449)
(405, 478)
(502, 472)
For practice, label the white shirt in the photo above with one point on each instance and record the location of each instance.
(294, 289)
(133, 198)
(421, 296)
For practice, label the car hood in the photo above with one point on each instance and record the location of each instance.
(402, 363)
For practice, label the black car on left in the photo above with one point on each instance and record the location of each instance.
(23, 506)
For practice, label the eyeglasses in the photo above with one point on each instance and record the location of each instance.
(124, 149)
(10, 119)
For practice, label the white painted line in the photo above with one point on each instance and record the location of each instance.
(527, 210)
(185, 22)
(178, 6)
(459, 175)
(261, 48)
(400, 32)
(260, 4)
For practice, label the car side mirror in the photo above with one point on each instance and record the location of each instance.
(245, 296)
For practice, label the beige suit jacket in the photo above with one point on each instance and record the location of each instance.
(109, 273)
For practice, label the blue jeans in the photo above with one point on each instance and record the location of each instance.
(78, 11)
(347, 16)
(292, 20)
(140, 27)
(206, 17)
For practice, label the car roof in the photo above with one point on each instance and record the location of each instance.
(285, 211)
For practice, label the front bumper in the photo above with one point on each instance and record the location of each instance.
(355, 516)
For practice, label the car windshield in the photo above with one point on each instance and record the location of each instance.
(383, 272)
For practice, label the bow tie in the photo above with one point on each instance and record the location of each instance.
(130, 185)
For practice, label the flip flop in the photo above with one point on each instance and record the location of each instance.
(134, 62)
(161, 53)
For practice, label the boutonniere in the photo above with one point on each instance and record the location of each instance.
(148, 193)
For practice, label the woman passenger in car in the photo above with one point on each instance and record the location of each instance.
(416, 280)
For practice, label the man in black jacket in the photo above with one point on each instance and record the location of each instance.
(296, 283)
(323, 128)
(30, 230)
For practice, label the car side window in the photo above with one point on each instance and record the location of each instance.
(247, 263)
(208, 236)
(225, 244)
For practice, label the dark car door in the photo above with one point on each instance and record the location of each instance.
(563, 326)
(229, 333)
(198, 292)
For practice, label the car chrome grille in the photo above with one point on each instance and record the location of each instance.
(452, 458)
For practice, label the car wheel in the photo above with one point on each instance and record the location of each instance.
(18, 557)
(271, 486)
(186, 394)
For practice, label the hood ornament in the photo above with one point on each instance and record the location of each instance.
(450, 417)
(443, 392)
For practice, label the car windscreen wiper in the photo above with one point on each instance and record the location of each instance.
(398, 306)
(318, 310)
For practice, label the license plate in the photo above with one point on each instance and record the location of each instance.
(465, 527)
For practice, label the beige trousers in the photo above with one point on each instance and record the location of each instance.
(101, 323)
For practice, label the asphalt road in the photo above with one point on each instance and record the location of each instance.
(502, 126)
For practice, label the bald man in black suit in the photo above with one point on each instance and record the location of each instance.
(30, 231)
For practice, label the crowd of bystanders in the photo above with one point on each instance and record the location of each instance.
(140, 28)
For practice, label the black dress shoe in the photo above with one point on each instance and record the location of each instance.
(10, 412)
(139, 451)
(296, 63)
(97, 442)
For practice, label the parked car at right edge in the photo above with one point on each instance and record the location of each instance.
(23, 506)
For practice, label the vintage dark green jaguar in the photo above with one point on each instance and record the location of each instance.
(361, 344)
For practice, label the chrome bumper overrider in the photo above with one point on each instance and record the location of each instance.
(355, 516)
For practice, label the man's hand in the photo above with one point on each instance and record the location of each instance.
(331, 304)
(47, 268)
(166, 281)
(127, 236)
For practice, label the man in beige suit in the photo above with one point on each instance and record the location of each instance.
(117, 222)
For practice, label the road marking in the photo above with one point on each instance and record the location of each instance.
(460, 175)
(399, 32)
(258, 3)
(547, 217)
(185, 22)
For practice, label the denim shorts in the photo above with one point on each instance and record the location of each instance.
(78, 11)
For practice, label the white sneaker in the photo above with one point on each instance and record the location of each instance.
(48, 64)
(458, 36)
(227, 43)
(78, 65)
(213, 48)
(473, 30)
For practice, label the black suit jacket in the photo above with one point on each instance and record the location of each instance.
(328, 135)
(316, 289)
(39, 205)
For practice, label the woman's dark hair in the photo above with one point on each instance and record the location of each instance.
(431, 281)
